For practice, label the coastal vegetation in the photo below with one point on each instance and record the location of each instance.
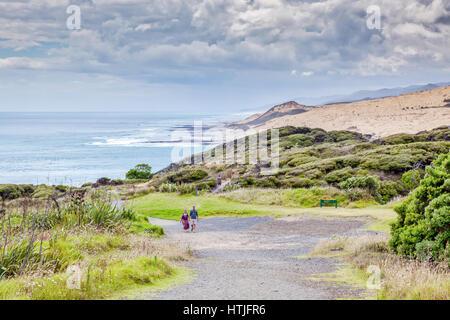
(141, 171)
(46, 230)
(337, 164)
(368, 178)
(82, 237)
(366, 257)
(414, 263)
(422, 229)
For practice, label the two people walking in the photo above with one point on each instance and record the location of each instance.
(189, 220)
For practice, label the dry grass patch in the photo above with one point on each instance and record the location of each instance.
(401, 278)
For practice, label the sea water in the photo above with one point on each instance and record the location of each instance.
(75, 148)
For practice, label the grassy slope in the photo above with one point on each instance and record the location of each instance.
(171, 206)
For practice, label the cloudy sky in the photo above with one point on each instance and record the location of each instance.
(213, 55)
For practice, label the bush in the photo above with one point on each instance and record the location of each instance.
(382, 191)
(389, 190)
(208, 185)
(168, 187)
(356, 194)
(43, 192)
(339, 175)
(400, 138)
(141, 171)
(27, 190)
(411, 179)
(62, 188)
(187, 176)
(186, 188)
(367, 182)
(422, 228)
(270, 182)
(10, 192)
(300, 183)
(247, 182)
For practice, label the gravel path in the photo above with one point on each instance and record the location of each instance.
(255, 258)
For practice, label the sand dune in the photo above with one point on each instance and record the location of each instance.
(407, 113)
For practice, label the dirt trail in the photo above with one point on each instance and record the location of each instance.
(257, 258)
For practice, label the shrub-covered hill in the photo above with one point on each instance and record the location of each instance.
(346, 161)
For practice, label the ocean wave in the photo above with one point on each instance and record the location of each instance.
(123, 142)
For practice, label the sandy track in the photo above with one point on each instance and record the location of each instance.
(255, 258)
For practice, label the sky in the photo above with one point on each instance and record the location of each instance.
(212, 56)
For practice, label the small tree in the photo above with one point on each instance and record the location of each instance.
(141, 171)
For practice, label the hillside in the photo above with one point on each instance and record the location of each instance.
(407, 113)
(340, 164)
(286, 109)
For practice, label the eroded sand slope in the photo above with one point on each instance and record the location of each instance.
(408, 113)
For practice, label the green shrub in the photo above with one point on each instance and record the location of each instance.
(422, 228)
(43, 192)
(27, 190)
(367, 182)
(356, 194)
(313, 174)
(390, 189)
(299, 183)
(341, 135)
(212, 183)
(62, 188)
(10, 192)
(186, 188)
(247, 182)
(168, 187)
(340, 175)
(141, 171)
(295, 162)
(187, 176)
(400, 138)
(270, 182)
(411, 179)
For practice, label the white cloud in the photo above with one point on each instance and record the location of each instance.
(128, 38)
(22, 63)
(307, 73)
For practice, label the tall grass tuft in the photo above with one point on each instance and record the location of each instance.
(32, 236)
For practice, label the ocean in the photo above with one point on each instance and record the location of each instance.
(75, 148)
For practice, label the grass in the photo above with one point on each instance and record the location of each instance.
(110, 264)
(42, 242)
(301, 197)
(171, 206)
(98, 283)
(400, 278)
(350, 276)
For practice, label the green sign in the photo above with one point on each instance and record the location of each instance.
(328, 201)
